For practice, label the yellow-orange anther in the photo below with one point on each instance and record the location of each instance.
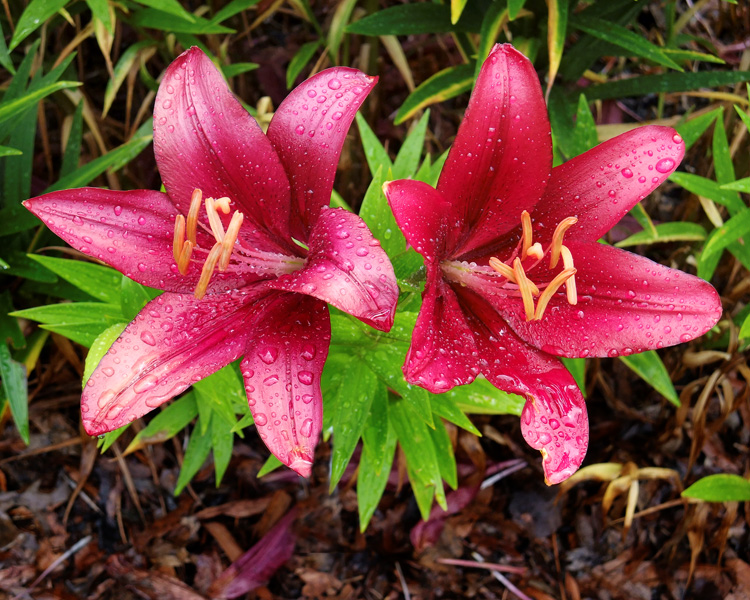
(208, 269)
(557, 239)
(230, 238)
(526, 234)
(179, 237)
(222, 204)
(504, 270)
(192, 219)
(549, 291)
(183, 262)
(570, 284)
(214, 220)
(536, 251)
(524, 288)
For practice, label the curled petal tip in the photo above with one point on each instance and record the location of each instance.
(302, 466)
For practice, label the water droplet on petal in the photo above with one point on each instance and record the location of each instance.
(305, 377)
(268, 354)
(665, 165)
(306, 427)
(334, 84)
(148, 338)
(260, 419)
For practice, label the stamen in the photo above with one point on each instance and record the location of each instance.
(222, 204)
(557, 239)
(536, 251)
(570, 285)
(183, 262)
(552, 287)
(192, 220)
(179, 237)
(526, 233)
(524, 288)
(208, 269)
(504, 270)
(214, 220)
(229, 239)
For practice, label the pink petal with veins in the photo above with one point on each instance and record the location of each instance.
(502, 157)
(308, 131)
(205, 139)
(602, 185)
(626, 303)
(284, 358)
(173, 342)
(347, 268)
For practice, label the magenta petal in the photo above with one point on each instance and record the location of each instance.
(603, 184)
(442, 352)
(205, 139)
(308, 131)
(502, 157)
(626, 304)
(420, 212)
(347, 268)
(284, 358)
(173, 342)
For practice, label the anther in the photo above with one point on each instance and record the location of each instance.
(192, 219)
(535, 251)
(526, 234)
(222, 204)
(229, 239)
(504, 270)
(524, 288)
(562, 277)
(179, 237)
(214, 220)
(570, 285)
(557, 239)
(183, 261)
(208, 269)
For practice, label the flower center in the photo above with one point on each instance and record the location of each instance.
(221, 251)
(515, 272)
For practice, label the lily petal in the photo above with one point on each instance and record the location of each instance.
(420, 212)
(443, 353)
(626, 304)
(132, 232)
(502, 157)
(554, 419)
(308, 132)
(347, 268)
(602, 185)
(284, 358)
(205, 139)
(173, 342)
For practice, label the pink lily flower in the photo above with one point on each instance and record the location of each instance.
(515, 276)
(244, 246)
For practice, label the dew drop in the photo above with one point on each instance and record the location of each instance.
(299, 130)
(268, 354)
(334, 84)
(271, 380)
(337, 115)
(665, 165)
(308, 352)
(148, 338)
(260, 419)
(166, 104)
(108, 371)
(145, 384)
(676, 138)
(118, 210)
(306, 427)
(305, 377)
(627, 173)
(307, 398)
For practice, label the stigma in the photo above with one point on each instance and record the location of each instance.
(185, 239)
(516, 274)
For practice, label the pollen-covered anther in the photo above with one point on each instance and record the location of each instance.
(557, 240)
(192, 218)
(178, 240)
(222, 204)
(526, 234)
(214, 220)
(570, 284)
(536, 251)
(183, 261)
(227, 245)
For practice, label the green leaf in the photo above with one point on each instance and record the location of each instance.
(351, 414)
(105, 441)
(271, 464)
(722, 237)
(379, 217)
(668, 82)
(341, 16)
(688, 55)
(299, 61)
(557, 25)
(222, 440)
(100, 10)
(9, 329)
(577, 368)
(72, 153)
(168, 423)
(374, 470)
(633, 43)
(73, 313)
(173, 7)
(375, 432)
(741, 185)
(445, 84)
(238, 69)
(81, 333)
(482, 398)
(723, 487)
(196, 454)
(745, 329)
(220, 393)
(15, 390)
(692, 129)
(5, 59)
(678, 231)
(375, 154)
(10, 109)
(100, 347)
(233, 8)
(134, 297)
(496, 16)
(444, 454)
(20, 264)
(121, 70)
(156, 19)
(407, 160)
(100, 282)
(514, 7)
(18, 169)
(410, 19)
(444, 406)
(649, 367)
(33, 17)
(709, 189)
(6, 151)
(585, 136)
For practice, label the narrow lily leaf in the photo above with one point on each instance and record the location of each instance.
(444, 406)
(445, 84)
(15, 390)
(379, 217)
(195, 455)
(407, 19)
(21, 265)
(104, 442)
(722, 158)
(723, 487)
(375, 154)
(557, 25)
(238, 69)
(693, 128)
(666, 232)
(407, 160)
(444, 454)
(134, 297)
(633, 43)
(585, 136)
(649, 367)
(233, 8)
(745, 329)
(18, 169)
(720, 238)
(668, 82)
(495, 18)
(17, 84)
(577, 368)
(100, 10)
(708, 188)
(692, 55)
(457, 7)
(80, 333)
(299, 60)
(271, 464)
(341, 17)
(482, 398)
(9, 329)
(72, 153)
(423, 493)
(121, 70)
(173, 7)
(219, 393)
(743, 115)
(741, 185)
(100, 347)
(156, 19)
(222, 442)
(72, 314)
(6, 151)
(5, 59)
(352, 411)
(9, 110)
(374, 469)
(100, 282)
(514, 7)
(33, 17)
(168, 423)
(376, 430)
